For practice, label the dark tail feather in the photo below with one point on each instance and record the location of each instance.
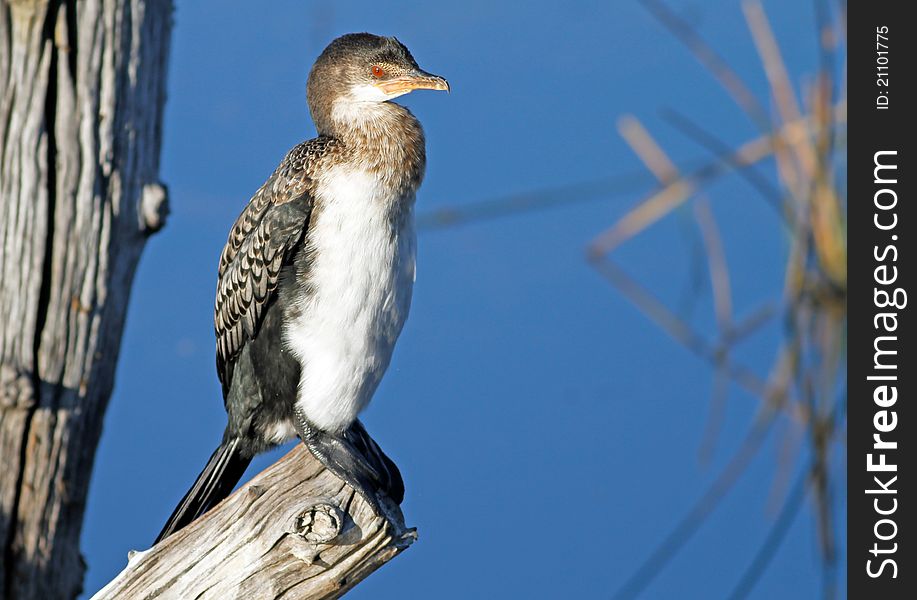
(223, 471)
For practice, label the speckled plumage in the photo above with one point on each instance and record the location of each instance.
(273, 233)
(315, 279)
(260, 242)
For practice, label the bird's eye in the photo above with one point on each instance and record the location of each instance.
(377, 71)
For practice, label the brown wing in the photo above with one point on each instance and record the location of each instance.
(260, 243)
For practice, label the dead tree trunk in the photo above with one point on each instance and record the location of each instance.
(82, 87)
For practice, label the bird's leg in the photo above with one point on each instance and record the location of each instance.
(354, 458)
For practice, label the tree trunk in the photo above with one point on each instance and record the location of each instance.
(295, 532)
(82, 88)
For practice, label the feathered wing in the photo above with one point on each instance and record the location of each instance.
(250, 280)
(260, 243)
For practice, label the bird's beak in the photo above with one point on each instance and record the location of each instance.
(415, 80)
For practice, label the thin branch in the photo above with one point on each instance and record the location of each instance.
(775, 68)
(722, 151)
(657, 312)
(774, 538)
(717, 415)
(714, 63)
(647, 149)
(719, 270)
(569, 195)
(751, 323)
(557, 197)
(674, 193)
(789, 446)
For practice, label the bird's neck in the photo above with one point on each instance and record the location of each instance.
(383, 138)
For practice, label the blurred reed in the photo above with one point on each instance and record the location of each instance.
(806, 381)
(802, 393)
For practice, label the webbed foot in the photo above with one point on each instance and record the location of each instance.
(356, 459)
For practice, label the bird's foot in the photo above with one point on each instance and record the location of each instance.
(356, 459)
(390, 482)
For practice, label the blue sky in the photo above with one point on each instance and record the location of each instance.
(547, 431)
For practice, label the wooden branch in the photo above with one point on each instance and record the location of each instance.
(295, 531)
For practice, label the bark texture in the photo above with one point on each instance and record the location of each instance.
(294, 532)
(82, 88)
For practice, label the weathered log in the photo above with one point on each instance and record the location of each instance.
(295, 531)
(82, 89)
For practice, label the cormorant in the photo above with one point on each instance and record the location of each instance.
(315, 280)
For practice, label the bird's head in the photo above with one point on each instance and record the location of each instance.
(359, 70)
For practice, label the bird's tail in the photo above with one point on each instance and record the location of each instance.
(223, 471)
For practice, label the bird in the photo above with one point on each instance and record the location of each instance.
(315, 281)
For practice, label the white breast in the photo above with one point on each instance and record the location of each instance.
(362, 277)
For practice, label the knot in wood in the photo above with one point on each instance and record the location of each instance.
(319, 523)
(154, 207)
(17, 389)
